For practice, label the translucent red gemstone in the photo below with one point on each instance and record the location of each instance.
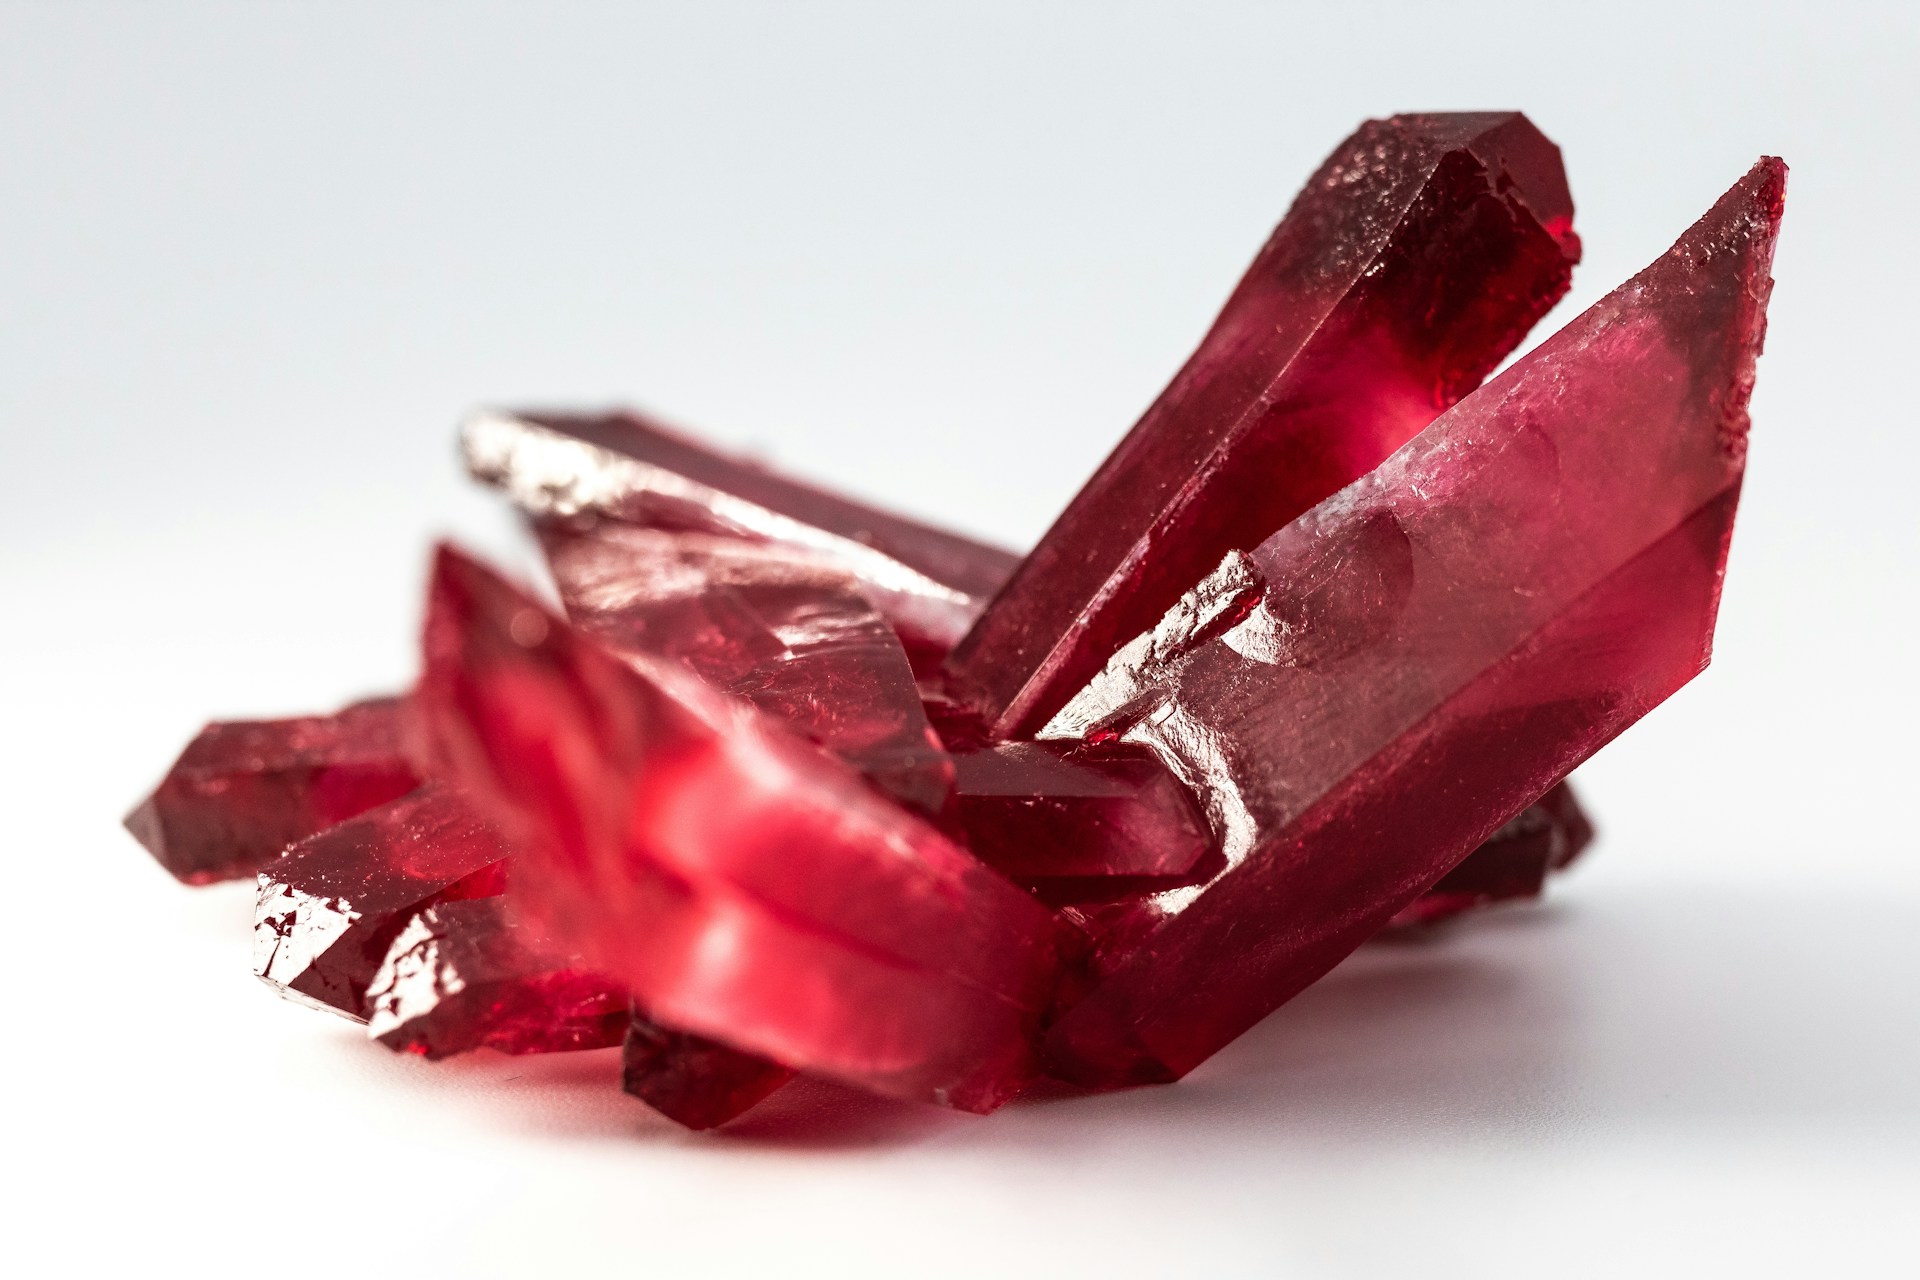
(1435, 647)
(745, 885)
(930, 583)
(1308, 658)
(244, 790)
(697, 1082)
(1416, 258)
(465, 975)
(779, 626)
(328, 912)
(1514, 862)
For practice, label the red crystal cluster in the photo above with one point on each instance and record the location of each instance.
(787, 785)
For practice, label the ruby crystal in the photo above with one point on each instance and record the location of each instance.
(1434, 647)
(464, 974)
(930, 583)
(697, 1082)
(328, 912)
(1415, 259)
(745, 885)
(1514, 862)
(778, 626)
(1071, 820)
(244, 790)
(1309, 658)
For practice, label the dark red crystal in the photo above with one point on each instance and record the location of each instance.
(1434, 647)
(1072, 820)
(693, 1081)
(1514, 863)
(328, 911)
(930, 583)
(745, 885)
(779, 626)
(1415, 259)
(244, 790)
(465, 975)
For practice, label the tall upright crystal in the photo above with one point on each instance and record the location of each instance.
(1432, 648)
(1416, 258)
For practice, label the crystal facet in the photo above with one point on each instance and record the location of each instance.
(1416, 258)
(1514, 862)
(781, 627)
(244, 790)
(747, 886)
(328, 912)
(697, 1082)
(930, 583)
(464, 975)
(1434, 647)
(1071, 820)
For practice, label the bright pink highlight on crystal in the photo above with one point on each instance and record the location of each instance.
(930, 583)
(1436, 646)
(327, 913)
(1413, 262)
(778, 626)
(244, 790)
(1513, 864)
(745, 885)
(466, 975)
(693, 1081)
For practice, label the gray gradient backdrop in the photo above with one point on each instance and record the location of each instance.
(255, 260)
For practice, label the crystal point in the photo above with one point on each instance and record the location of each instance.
(1436, 646)
(244, 790)
(327, 913)
(464, 975)
(930, 583)
(1415, 259)
(745, 885)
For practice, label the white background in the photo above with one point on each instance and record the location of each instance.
(256, 260)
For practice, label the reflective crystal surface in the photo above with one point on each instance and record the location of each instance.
(1071, 820)
(465, 975)
(328, 912)
(1415, 259)
(244, 790)
(1433, 648)
(743, 884)
(930, 583)
(779, 626)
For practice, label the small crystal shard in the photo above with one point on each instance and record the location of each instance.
(696, 1082)
(244, 790)
(463, 975)
(745, 885)
(1417, 257)
(1067, 818)
(1514, 862)
(327, 913)
(930, 583)
(781, 627)
(1434, 647)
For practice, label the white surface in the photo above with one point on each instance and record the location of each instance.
(255, 260)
